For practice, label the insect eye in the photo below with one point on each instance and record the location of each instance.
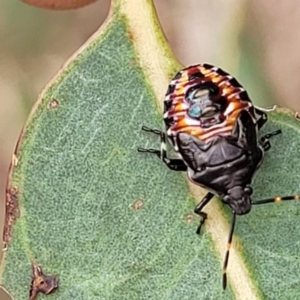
(248, 190)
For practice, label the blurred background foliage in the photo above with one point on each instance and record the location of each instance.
(256, 41)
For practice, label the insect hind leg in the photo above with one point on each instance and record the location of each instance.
(198, 210)
(173, 164)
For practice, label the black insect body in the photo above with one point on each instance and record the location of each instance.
(216, 137)
(225, 165)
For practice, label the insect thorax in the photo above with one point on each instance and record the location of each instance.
(220, 164)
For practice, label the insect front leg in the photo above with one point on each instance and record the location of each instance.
(261, 120)
(173, 164)
(202, 214)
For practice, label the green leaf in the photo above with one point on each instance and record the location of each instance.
(112, 223)
(269, 235)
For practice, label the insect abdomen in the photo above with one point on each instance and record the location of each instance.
(204, 101)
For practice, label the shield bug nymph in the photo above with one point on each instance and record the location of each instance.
(213, 126)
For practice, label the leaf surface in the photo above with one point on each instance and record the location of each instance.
(109, 222)
(269, 234)
(112, 223)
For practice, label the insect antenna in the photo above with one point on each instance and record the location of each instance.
(276, 199)
(228, 249)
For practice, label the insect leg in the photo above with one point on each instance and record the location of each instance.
(276, 200)
(147, 129)
(264, 140)
(228, 249)
(202, 214)
(173, 164)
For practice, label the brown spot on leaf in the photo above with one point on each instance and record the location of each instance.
(138, 204)
(11, 211)
(189, 219)
(130, 35)
(41, 283)
(134, 62)
(53, 104)
(297, 116)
